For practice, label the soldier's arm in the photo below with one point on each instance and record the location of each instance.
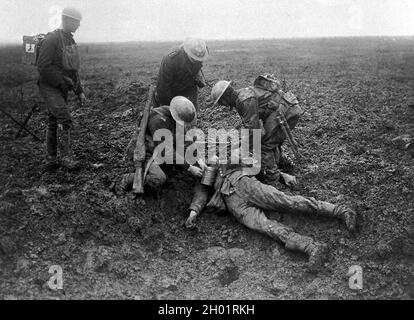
(78, 86)
(249, 112)
(165, 80)
(50, 73)
(199, 80)
(198, 203)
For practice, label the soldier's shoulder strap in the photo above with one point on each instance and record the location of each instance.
(51, 35)
(173, 52)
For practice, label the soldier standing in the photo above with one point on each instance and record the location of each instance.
(180, 73)
(58, 65)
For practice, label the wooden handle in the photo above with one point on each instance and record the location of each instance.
(138, 186)
(140, 149)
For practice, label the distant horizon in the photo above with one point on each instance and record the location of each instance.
(231, 39)
(212, 20)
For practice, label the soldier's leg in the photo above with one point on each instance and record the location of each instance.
(198, 203)
(255, 219)
(269, 169)
(155, 178)
(269, 198)
(275, 137)
(58, 107)
(270, 152)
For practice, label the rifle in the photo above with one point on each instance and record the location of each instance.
(286, 130)
(139, 151)
(22, 126)
(208, 82)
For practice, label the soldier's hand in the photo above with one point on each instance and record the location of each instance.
(200, 83)
(213, 160)
(195, 171)
(82, 99)
(263, 132)
(202, 164)
(191, 220)
(290, 181)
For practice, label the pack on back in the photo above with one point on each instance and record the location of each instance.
(271, 97)
(31, 45)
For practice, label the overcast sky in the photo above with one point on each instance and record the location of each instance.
(130, 20)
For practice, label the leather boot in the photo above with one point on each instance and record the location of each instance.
(51, 163)
(339, 211)
(316, 251)
(285, 163)
(66, 158)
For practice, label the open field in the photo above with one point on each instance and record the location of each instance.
(358, 96)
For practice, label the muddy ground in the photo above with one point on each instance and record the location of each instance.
(358, 97)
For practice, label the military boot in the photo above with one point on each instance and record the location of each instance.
(317, 251)
(66, 159)
(339, 211)
(285, 163)
(51, 163)
(270, 176)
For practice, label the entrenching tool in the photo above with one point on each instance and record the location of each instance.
(139, 151)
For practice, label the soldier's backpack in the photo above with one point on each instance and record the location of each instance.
(268, 90)
(268, 87)
(31, 47)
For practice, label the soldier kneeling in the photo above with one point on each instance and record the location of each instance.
(178, 116)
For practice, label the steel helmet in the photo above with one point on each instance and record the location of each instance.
(182, 110)
(196, 49)
(218, 90)
(72, 13)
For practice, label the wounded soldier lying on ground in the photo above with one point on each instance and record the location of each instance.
(237, 190)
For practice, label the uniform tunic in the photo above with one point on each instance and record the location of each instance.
(177, 77)
(54, 89)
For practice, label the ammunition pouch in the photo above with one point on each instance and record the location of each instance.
(70, 55)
